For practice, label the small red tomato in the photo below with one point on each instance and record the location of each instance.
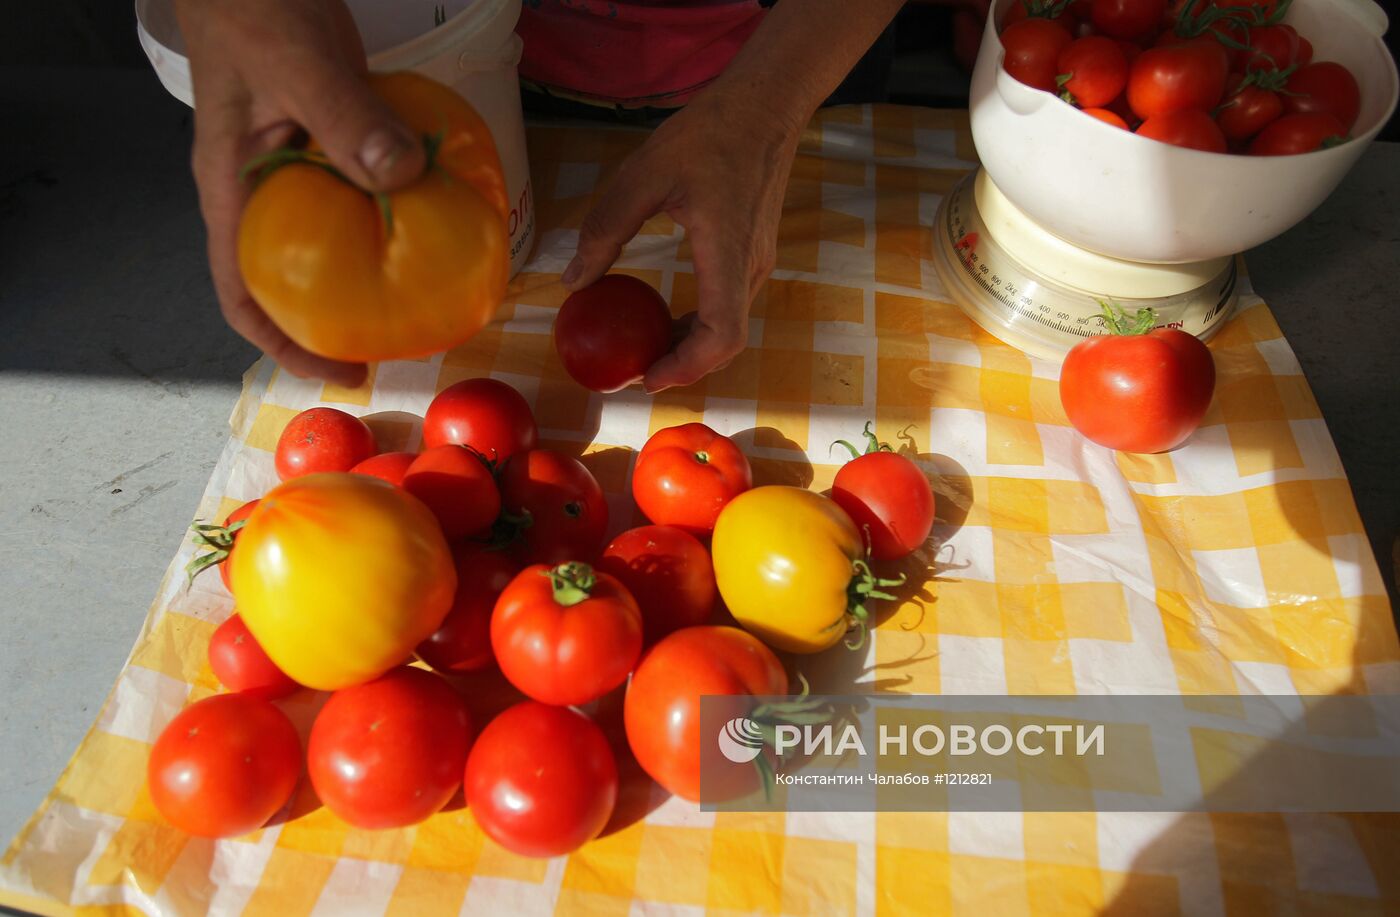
(224, 766)
(1134, 391)
(387, 466)
(322, 439)
(1271, 47)
(1093, 71)
(485, 414)
(241, 665)
(1294, 134)
(456, 485)
(463, 642)
(1247, 111)
(1130, 49)
(1305, 52)
(887, 497)
(390, 752)
(1127, 19)
(564, 512)
(1107, 117)
(238, 515)
(1324, 88)
(541, 781)
(565, 635)
(1192, 129)
(608, 334)
(1033, 47)
(1182, 77)
(668, 572)
(686, 474)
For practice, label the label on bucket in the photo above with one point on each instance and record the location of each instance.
(521, 226)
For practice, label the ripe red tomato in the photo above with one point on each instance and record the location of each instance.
(1246, 111)
(686, 474)
(668, 572)
(1271, 47)
(1127, 18)
(565, 635)
(485, 414)
(887, 497)
(1106, 116)
(608, 334)
(1293, 134)
(224, 766)
(1305, 52)
(1137, 392)
(238, 515)
(1033, 47)
(456, 485)
(566, 510)
(662, 708)
(1326, 88)
(1192, 129)
(1093, 71)
(388, 466)
(1130, 49)
(322, 439)
(241, 665)
(390, 752)
(541, 781)
(1188, 76)
(463, 642)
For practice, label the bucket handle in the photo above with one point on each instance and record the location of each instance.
(508, 55)
(1369, 14)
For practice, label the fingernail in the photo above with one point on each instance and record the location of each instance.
(572, 272)
(383, 149)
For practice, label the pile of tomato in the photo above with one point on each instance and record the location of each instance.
(1214, 75)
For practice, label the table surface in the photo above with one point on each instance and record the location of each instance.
(117, 376)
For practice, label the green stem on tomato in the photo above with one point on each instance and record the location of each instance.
(219, 538)
(573, 582)
(1118, 321)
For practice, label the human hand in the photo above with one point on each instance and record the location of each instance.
(264, 71)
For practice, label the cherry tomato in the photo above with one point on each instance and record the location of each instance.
(224, 766)
(1127, 18)
(1293, 134)
(668, 572)
(566, 635)
(541, 781)
(1130, 49)
(1033, 47)
(1106, 116)
(1183, 77)
(1138, 392)
(1192, 129)
(241, 665)
(1271, 47)
(662, 708)
(566, 511)
(1093, 71)
(1247, 111)
(238, 515)
(463, 642)
(1325, 88)
(456, 485)
(686, 474)
(608, 334)
(887, 497)
(387, 466)
(322, 439)
(1305, 52)
(390, 752)
(485, 414)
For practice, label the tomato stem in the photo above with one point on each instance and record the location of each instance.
(804, 710)
(573, 582)
(1117, 320)
(864, 587)
(219, 538)
(872, 443)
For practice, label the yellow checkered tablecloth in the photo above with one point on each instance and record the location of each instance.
(1236, 565)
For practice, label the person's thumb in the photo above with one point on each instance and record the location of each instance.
(611, 224)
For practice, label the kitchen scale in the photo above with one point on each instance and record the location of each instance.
(1041, 294)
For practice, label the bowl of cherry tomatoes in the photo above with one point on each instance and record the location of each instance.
(1174, 131)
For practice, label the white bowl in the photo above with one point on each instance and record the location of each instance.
(1112, 192)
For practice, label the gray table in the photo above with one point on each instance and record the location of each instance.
(117, 377)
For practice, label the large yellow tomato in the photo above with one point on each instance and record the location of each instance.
(352, 276)
(339, 576)
(790, 566)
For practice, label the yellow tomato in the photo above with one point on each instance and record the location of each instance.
(790, 565)
(352, 277)
(339, 576)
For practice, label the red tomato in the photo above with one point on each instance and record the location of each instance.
(565, 635)
(485, 414)
(686, 474)
(1293, 134)
(241, 665)
(238, 515)
(566, 512)
(1194, 130)
(388, 466)
(1033, 47)
(456, 485)
(662, 708)
(1183, 77)
(608, 334)
(887, 497)
(1127, 18)
(1138, 392)
(541, 781)
(1093, 71)
(390, 752)
(1305, 52)
(322, 439)
(1130, 49)
(1247, 111)
(1271, 47)
(1325, 88)
(1106, 116)
(668, 572)
(224, 766)
(463, 642)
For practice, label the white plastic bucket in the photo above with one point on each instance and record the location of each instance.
(474, 50)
